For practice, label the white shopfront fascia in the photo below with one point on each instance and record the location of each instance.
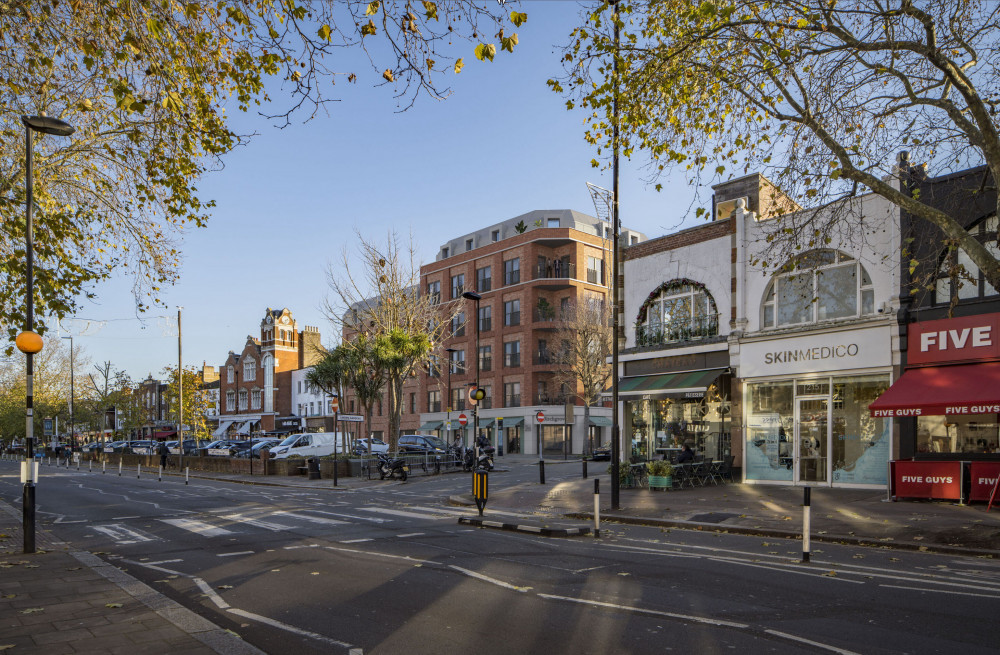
(836, 350)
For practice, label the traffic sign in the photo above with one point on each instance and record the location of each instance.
(540, 416)
(351, 418)
(334, 404)
(462, 419)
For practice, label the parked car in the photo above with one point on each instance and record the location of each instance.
(115, 447)
(366, 446)
(422, 443)
(314, 444)
(261, 445)
(143, 447)
(602, 452)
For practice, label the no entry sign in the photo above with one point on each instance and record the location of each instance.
(540, 417)
(462, 419)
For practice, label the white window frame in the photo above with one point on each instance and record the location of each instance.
(864, 301)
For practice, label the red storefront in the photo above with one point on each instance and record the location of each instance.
(951, 389)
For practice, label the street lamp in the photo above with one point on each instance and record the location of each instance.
(448, 402)
(472, 295)
(28, 341)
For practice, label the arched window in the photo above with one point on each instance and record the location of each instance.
(958, 276)
(823, 285)
(267, 363)
(679, 310)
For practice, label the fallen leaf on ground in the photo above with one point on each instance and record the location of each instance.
(6, 646)
(113, 605)
(624, 574)
(74, 568)
(859, 557)
(831, 574)
(317, 572)
(32, 610)
(917, 538)
(225, 586)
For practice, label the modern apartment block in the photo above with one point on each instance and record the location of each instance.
(527, 271)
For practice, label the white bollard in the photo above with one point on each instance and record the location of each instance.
(138, 471)
(597, 508)
(104, 467)
(119, 468)
(187, 473)
(805, 524)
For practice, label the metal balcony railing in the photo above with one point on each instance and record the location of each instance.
(513, 400)
(486, 363)
(594, 276)
(550, 398)
(544, 357)
(555, 269)
(485, 324)
(512, 360)
(548, 315)
(512, 277)
(486, 403)
(512, 318)
(484, 284)
(434, 406)
(697, 327)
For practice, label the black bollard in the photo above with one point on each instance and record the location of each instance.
(584, 460)
(541, 471)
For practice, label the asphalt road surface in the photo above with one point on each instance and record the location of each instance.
(389, 570)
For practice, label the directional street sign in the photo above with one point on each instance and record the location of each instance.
(351, 418)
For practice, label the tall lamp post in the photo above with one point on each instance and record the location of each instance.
(72, 397)
(616, 448)
(448, 402)
(28, 341)
(472, 295)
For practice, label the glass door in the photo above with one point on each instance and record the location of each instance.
(812, 440)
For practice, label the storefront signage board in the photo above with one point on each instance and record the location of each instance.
(967, 338)
(923, 479)
(984, 475)
(817, 353)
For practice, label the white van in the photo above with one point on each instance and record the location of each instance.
(312, 444)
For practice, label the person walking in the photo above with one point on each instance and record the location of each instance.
(163, 451)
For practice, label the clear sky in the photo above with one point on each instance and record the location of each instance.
(288, 203)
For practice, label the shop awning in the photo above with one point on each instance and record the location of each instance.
(432, 425)
(938, 390)
(221, 430)
(244, 428)
(510, 422)
(680, 385)
(602, 421)
(487, 422)
(163, 434)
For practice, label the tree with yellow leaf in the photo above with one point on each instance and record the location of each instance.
(146, 84)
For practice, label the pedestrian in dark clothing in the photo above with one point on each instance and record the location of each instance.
(163, 451)
(687, 455)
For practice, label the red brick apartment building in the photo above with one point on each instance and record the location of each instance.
(525, 279)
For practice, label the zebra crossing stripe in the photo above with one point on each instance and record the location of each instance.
(124, 535)
(198, 527)
(311, 519)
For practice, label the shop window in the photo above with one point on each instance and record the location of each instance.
(822, 285)
(679, 310)
(958, 276)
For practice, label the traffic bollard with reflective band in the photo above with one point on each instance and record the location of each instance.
(805, 524)
(597, 508)
(480, 489)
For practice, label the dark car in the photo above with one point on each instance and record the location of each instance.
(602, 452)
(421, 443)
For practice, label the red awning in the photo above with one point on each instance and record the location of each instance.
(938, 390)
(164, 433)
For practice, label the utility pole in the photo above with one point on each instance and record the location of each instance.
(180, 394)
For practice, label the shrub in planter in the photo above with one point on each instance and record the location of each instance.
(660, 474)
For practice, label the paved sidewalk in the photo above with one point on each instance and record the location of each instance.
(61, 601)
(856, 516)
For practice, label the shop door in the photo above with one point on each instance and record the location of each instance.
(812, 440)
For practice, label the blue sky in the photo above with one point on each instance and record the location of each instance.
(289, 202)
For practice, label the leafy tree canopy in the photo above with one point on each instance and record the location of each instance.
(147, 85)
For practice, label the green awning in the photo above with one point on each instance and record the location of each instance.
(512, 421)
(602, 421)
(688, 384)
(487, 422)
(431, 425)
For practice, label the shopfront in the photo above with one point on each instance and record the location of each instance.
(949, 395)
(805, 408)
(669, 404)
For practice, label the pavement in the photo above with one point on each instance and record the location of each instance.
(59, 600)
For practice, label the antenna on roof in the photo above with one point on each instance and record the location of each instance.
(602, 201)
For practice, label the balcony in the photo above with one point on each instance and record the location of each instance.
(544, 358)
(458, 405)
(546, 318)
(512, 360)
(551, 398)
(512, 318)
(680, 331)
(513, 400)
(557, 272)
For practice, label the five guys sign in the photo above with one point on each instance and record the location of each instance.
(954, 340)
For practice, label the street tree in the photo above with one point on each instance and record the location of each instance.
(583, 350)
(821, 96)
(108, 388)
(404, 329)
(151, 87)
(334, 372)
(193, 398)
(51, 389)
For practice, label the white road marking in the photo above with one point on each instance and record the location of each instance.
(410, 534)
(198, 527)
(257, 523)
(639, 610)
(123, 518)
(486, 578)
(166, 561)
(817, 644)
(123, 535)
(941, 591)
(311, 519)
(242, 552)
(353, 541)
(352, 516)
(399, 512)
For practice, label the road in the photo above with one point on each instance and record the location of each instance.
(388, 569)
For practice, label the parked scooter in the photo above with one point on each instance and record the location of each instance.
(391, 468)
(484, 462)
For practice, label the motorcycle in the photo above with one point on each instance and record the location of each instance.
(484, 462)
(391, 468)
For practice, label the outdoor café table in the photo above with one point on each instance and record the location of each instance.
(684, 474)
(638, 474)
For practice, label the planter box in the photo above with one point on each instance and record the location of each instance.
(661, 481)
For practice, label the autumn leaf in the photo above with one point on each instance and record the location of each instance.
(458, 66)
(324, 33)
(113, 605)
(32, 610)
(387, 74)
(225, 586)
(372, 8)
